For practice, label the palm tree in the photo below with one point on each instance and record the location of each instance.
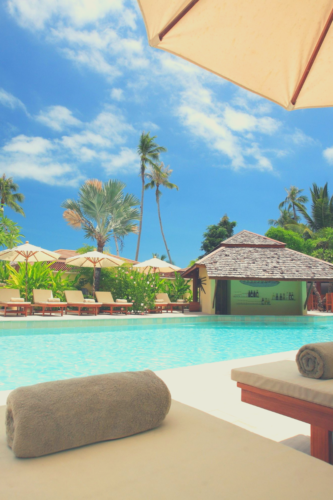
(159, 176)
(9, 195)
(149, 153)
(293, 200)
(102, 211)
(321, 208)
(285, 219)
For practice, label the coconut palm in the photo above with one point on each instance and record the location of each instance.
(321, 208)
(149, 153)
(285, 219)
(102, 211)
(293, 200)
(159, 177)
(9, 195)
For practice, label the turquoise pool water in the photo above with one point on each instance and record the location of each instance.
(35, 355)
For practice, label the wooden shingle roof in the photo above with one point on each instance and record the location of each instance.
(251, 256)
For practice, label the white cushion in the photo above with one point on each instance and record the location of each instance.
(89, 301)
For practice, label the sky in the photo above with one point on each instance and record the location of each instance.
(78, 85)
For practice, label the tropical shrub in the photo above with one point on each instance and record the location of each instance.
(178, 288)
(39, 276)
(10, 232)
(292, 240)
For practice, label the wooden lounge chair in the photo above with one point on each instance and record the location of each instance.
(167, 304)
(76, 300)
(7, 302)
(41, 301)
(279, 387)
(191, 456)
(106, 299)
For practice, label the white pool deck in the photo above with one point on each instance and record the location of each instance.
(209, 388)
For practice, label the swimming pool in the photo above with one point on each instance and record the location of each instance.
(37, 355)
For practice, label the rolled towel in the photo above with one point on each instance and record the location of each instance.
(54, 299)
(54, 416)
(181, 301)
(16, 299)
(159, 301)
(121, 301)
(90, 301)
(316, 360)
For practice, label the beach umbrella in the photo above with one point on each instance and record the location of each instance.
(29, 254)
(94, 259)
(281, 49)
(157, 265)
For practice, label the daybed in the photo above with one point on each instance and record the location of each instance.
(191, 456)
(43, 299)
(76, 300)
(106, 299)
(9, 304)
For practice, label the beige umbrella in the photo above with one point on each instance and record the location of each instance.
(94, 259)
(281, 49)
(28, 253)
(157, 265)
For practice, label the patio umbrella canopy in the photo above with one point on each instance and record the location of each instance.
(94, 259)
(28, 253)
(281, 50)
(157, 265)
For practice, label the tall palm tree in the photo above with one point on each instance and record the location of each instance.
(321, 208)
(102, 211)
(9, 195)
(293, 200)
(159, 177)
(149, 153)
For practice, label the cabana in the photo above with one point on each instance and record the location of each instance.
(251, 274)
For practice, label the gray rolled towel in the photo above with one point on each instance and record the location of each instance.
(316, 360)
(55, 416)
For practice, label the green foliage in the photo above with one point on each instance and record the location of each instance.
(85, 249)
(178, 288)
(141, 288)
(10, 232)
(39, 276)
(291, 239)
(217, 233)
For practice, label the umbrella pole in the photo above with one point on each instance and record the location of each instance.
(94, 281)
(26, 280)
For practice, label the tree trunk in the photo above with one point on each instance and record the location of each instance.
(100, 248)
(142, 199)
(159, 216)
(320, 302)
(295, 216)
(117, 246)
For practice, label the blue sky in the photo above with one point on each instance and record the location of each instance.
(78, 85)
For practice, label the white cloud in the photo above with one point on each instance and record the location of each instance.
(34, 14)
(240, 121)
(28, 145)
(46, 172)
(124, 162)
(150, 126)
(58, 118)
(328, 155)
(117, 94)
(10, 101)
(301, 139)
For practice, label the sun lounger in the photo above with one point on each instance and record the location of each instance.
(106, 299)
(279, 387)
(42, 301)
(9, 305)
(191, 456)
(76, 300)
(167, 304)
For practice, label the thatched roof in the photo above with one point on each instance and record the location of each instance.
(251, 256)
